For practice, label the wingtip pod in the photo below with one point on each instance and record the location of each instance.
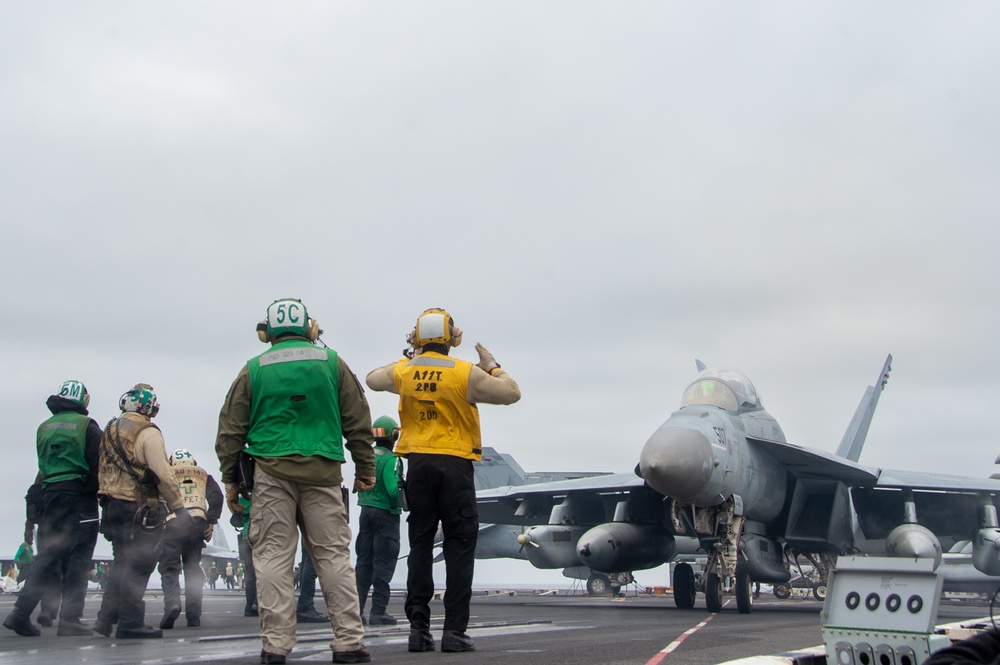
(886, 369)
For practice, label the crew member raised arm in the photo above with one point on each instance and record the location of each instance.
(440, 438)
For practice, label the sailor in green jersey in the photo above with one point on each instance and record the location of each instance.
(295, 409)
(377, 546)
(68, 447)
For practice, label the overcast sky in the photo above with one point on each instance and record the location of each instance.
(598, 192)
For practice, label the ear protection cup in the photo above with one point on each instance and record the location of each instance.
(262, 333)
(314, 332)
(395, 435)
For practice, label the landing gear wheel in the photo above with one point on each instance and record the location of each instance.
(744, 589)
(819, 592)
(684, 591)
(598, 584)
(713, 592)
(782, 591)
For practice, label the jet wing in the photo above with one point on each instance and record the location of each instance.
(811, 463)
(935, 481)
(947, 505)
(528, 504)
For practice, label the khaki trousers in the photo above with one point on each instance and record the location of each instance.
(279, 509)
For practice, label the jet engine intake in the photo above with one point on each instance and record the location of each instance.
(763, 559)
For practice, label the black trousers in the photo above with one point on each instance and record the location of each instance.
(377, 547)
(441, 488)
(249, 574)
(67, 533)
(177, 554)
(136, 552)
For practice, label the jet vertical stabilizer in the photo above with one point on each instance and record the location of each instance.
(497, 470)
(854, 438)
(219, 539)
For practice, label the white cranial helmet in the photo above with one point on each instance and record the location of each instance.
(140, 399)
(182, 457)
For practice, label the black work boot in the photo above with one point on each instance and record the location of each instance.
(103, 627)
(421, 640)
(21, 624)
(138, 633)
(268, 658)
(382, 619)
(169, 617)
(454, 640)
(311, 616)
(73, 628)
(44, 619)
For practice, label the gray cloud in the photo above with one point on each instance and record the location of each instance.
(599, 194)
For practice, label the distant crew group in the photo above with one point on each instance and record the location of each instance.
(286, 422)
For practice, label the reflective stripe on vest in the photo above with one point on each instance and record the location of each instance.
(434, 412)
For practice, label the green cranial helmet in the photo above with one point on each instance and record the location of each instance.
(75, 392)
(385, 428)
(140, 399)
(287, 316)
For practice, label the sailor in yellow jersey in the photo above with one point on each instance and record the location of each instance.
(440, 437)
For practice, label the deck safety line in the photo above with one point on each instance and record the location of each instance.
(676, 643)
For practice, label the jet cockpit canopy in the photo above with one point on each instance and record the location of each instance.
(723, 388)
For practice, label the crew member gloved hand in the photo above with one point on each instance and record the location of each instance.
(233, 498)
(181, 526)
(364, 484)
(29, 532)
(486, 360)
(207, 534)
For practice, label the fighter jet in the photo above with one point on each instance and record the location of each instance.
(719, 473)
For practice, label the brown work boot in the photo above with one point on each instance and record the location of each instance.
(359, 655)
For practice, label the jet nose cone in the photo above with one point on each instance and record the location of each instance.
(677, 462)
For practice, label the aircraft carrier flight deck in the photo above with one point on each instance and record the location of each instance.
(522, 627)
